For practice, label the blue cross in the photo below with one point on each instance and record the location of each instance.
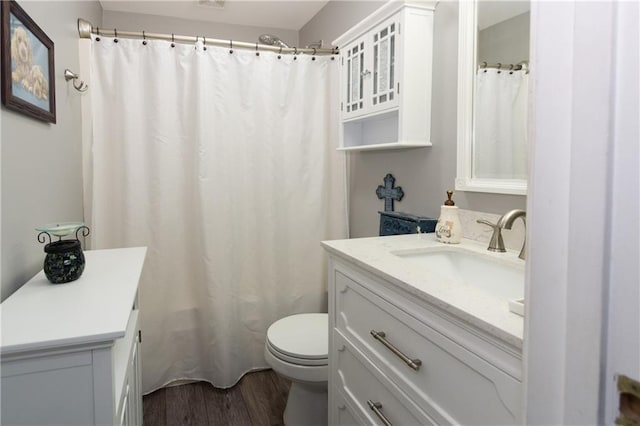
(389, 193)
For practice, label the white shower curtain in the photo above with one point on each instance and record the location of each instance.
(500, 137)
(224, 165)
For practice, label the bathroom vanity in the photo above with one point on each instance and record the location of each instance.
(414, 340)
(70, 352)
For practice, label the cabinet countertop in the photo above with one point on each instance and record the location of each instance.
(95, 308)
(476, 307)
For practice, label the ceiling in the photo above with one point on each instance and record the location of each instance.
(290, 15)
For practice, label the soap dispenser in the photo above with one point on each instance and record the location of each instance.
(448, 228)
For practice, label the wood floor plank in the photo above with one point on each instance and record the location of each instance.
(263, 400)
(258, 400)
(283, 385)
(154, 408)
(185, 406)
(225, 406)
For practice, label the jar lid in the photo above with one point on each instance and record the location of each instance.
(449, 201)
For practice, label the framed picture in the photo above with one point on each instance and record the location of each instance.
(28, 83)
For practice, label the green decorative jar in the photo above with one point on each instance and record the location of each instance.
(64, 261)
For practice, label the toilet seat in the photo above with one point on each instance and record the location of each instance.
(296, 360)
(301, 339)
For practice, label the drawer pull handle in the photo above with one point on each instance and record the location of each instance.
(413, 363)
(376, 407)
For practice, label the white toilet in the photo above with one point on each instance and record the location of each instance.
(296, 348)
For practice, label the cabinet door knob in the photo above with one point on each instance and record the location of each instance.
(376, 407)
(380, 336)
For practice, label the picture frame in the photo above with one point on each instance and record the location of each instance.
(28, 71)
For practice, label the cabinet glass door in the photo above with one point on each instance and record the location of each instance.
(384, 85)
(354, 79)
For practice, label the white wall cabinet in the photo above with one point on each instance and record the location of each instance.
(71, 352)
(385, 82)
(439, 370)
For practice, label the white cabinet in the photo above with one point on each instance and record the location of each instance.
(396, 356)
(71, 352)
(385, 84)
(369, 67)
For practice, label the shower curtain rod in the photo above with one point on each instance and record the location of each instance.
(524, 65)
(85, 29)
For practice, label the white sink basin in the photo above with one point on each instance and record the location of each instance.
(503, 278)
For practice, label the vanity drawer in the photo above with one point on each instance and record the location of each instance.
(342, 412)
(363, 385)
(449, 382)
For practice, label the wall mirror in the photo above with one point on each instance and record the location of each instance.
(493, 87)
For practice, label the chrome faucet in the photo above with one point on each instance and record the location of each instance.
(496, 243)
(505, 222)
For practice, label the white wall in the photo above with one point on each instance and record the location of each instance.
(41, 163)
(506, 42)
(163, 24)
(584, 243)
(424, 174)
(623, 350)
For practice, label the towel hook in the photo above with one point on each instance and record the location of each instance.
(69, 75)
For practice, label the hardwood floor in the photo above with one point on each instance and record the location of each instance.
(258, 400)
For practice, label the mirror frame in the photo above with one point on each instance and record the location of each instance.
(467, 52)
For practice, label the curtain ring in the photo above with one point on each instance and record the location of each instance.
(499, 67)
(295, 52)
(313, 58)
(230, 46)
(280, 53)
(144, 38)
(98, 31)
(205, 43)
(195, 46)
(173, 39)
(115, 33)
(257, 53)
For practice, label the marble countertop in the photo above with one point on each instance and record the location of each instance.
(477, 307)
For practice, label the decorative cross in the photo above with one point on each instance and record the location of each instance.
(389, 193)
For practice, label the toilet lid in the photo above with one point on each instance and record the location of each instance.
(303, 336)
